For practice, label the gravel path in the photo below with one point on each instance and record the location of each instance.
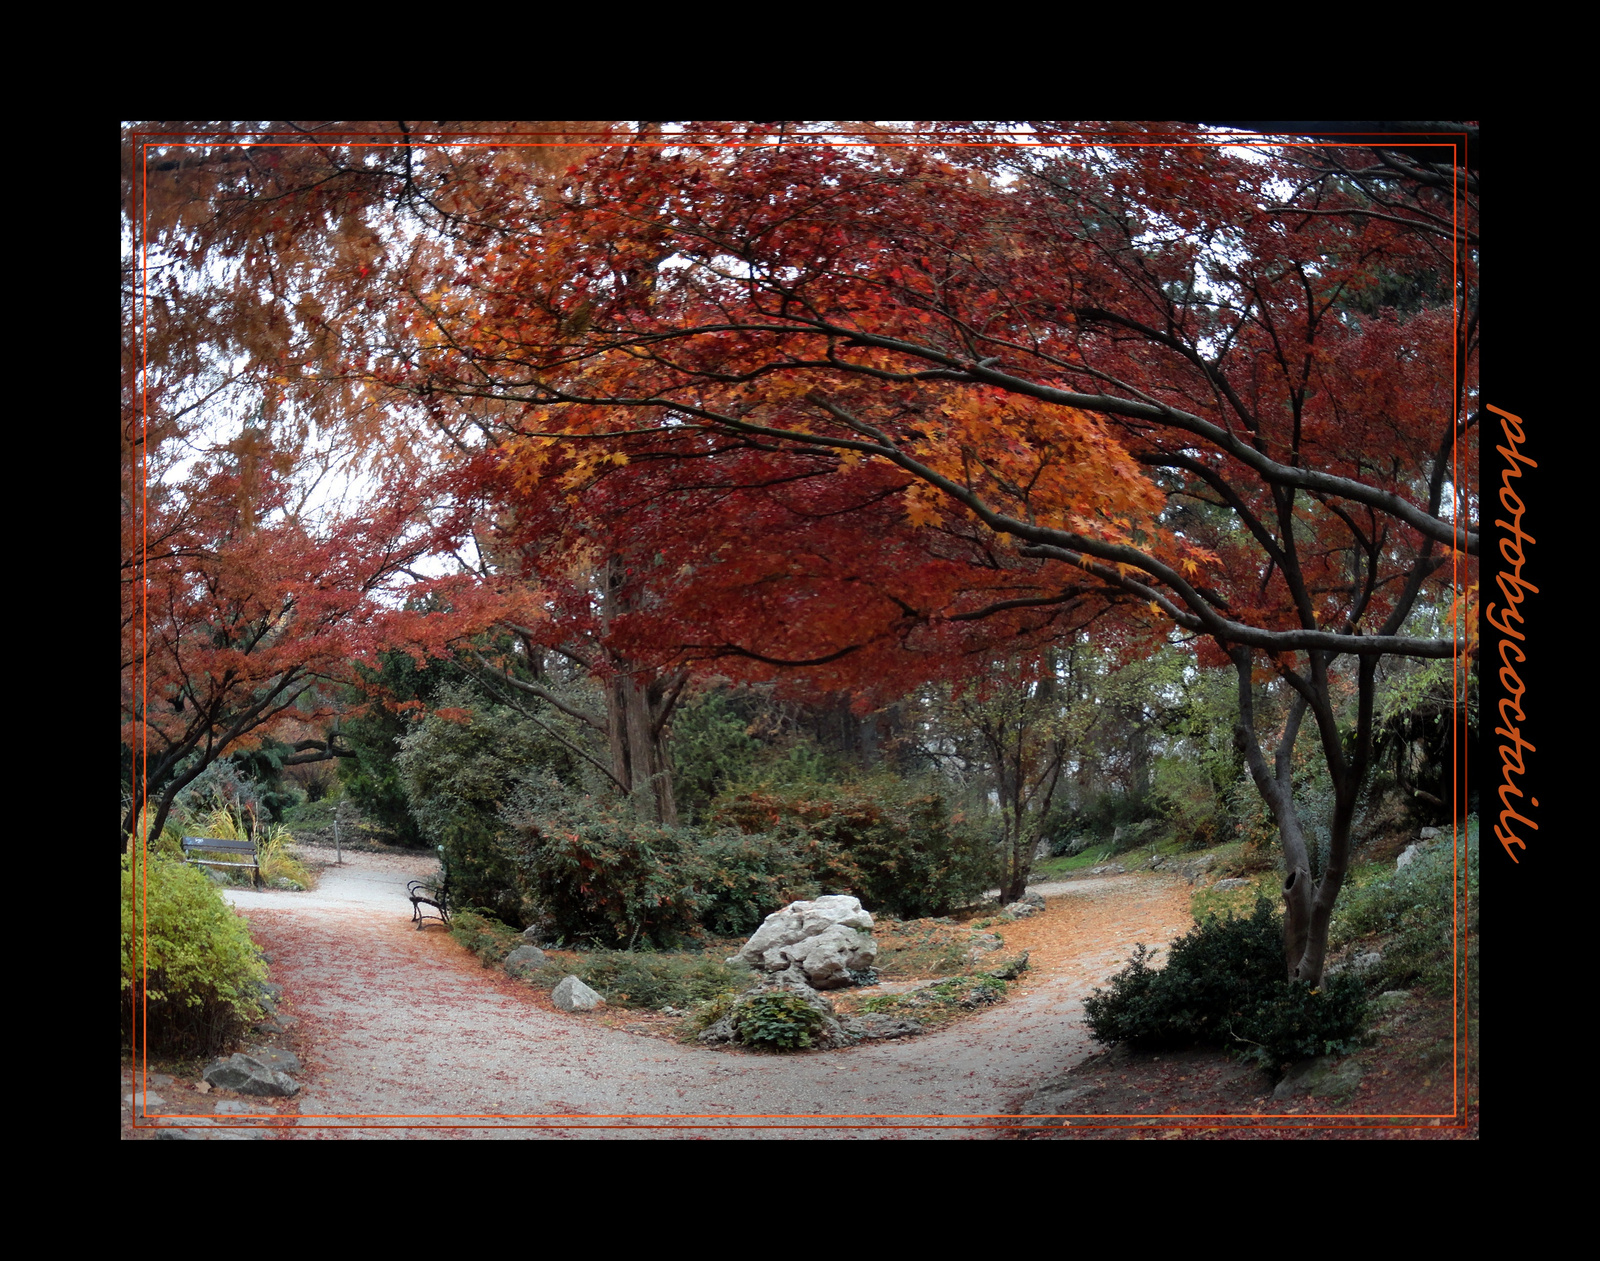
(405, 1034)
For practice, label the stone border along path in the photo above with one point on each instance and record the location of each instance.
(405, 1029)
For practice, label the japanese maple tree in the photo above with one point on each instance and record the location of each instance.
(1140, 367)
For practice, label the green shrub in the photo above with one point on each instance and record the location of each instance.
(902, 852)
(458, 770)
(202, 969)
(776, 1022)
(747, 877)
(1224, 985)
(604, 877)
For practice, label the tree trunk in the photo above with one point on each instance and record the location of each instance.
(638, 749)
(639, 701)
(1308, 905)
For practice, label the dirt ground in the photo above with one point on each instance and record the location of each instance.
(403, 1033)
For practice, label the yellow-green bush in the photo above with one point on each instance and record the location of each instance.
(202, 968)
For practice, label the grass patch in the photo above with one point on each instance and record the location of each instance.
(1224, 903)
(1065, 865)
(649, 979)
(912, 949)
(942, 1001)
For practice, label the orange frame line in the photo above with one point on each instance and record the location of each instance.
(1459, 762)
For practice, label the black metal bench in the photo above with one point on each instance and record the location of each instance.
(422, 893)
(235, 849)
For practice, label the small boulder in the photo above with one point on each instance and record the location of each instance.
(249, 1076)
(1232, 882)
(1428, 834)
(524, 961)
(1194, 868)
(831, 1034)
(1407, 854)
(879, 1025)
(1022, 909)
(573, 995)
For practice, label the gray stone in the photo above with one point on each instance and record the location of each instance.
(1428, 834)
(1156, 861)
(833, 1032)
(237, 1108)
(1109, 869)
(1232, 882)
(879, 1025)
(145, 1103)
(1022, 909)
(273, 1057)
(202, 1128)
(1011, 969)
(1407, 854)
(1320, 1078)
(987, 941)
(524, 961)
(718, 1033)
(573, 995)
(1192, 869)
(249, 1076)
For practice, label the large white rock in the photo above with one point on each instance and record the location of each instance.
(827, 939)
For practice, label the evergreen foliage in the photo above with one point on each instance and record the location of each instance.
(1224, 986)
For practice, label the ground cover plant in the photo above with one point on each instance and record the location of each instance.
(1407, 913)
(649, 979)
(941, 1002)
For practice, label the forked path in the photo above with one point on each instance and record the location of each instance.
(405, 1034)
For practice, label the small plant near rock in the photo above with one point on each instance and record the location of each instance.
(776, 1022)
(706, 1014)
